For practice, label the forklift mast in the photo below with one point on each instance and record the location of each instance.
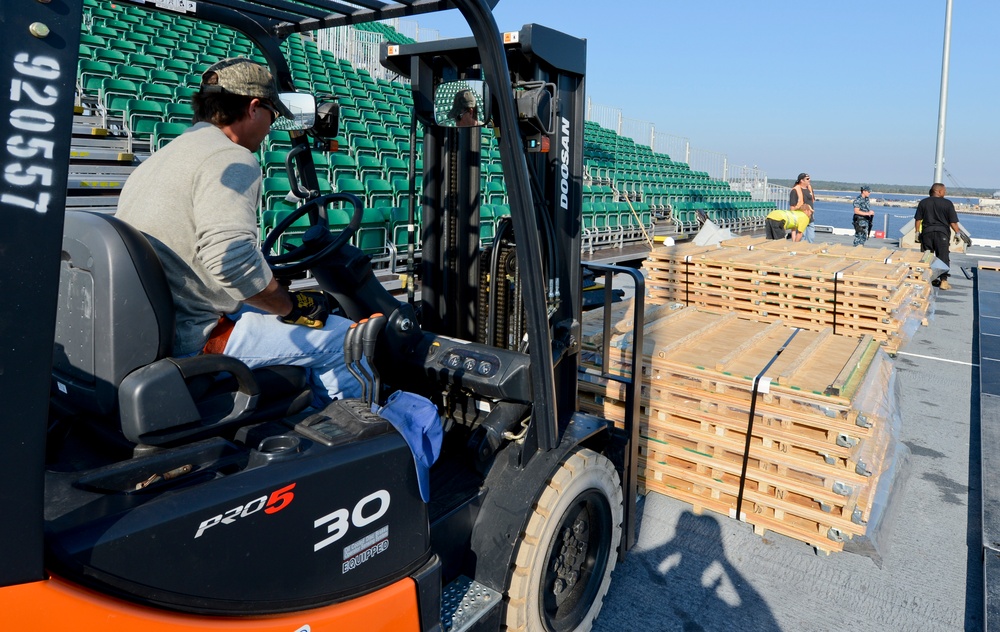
(545, 141)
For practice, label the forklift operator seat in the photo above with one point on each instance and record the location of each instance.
(115, 331)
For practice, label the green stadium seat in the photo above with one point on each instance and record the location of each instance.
(114, 93)
(123, 46)
(398, 225)
(141, 116)
(351, 185)
(163, 133)
(372, 235)
(401, 192)
(131, 73)
(94, 41)
(393, 167)
(378, 193)
(363, 145)
(368, 166)
(178, 112)
(385, 148)
(184, 94)
(278, 139)
(495, 193)
(91, 73)
(273, 163)
(164, 77)
(274, 194)
(156, 92)
(112, 57)
(487, 224)
(342, 165)
(162, 40)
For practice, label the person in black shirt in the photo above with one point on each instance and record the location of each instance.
(935, 219)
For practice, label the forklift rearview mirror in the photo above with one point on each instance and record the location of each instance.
(461, 103)
(303, 109)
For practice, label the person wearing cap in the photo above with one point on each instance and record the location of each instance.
(801, 198)
(934, 219)
(196, 200)
(464, 110)
(779, 221)
(863, 217)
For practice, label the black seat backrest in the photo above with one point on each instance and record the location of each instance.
(115, 311)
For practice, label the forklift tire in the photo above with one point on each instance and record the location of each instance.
(562, 569)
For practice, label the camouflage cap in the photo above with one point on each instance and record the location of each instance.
(238, 75)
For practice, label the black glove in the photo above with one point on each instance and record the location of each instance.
(309, 308)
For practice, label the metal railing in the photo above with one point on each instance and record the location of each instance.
(359, 47)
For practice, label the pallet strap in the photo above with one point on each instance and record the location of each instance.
(687, 280)
(839, 274)
(836, 277)
(760, 384)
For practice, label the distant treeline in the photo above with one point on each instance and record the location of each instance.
(829, 185)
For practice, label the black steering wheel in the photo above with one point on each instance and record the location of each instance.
(317, 243)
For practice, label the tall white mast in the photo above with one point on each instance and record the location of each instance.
(943, 103)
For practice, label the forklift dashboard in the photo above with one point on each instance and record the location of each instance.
(488, 371)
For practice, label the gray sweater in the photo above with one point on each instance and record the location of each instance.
(196, 199)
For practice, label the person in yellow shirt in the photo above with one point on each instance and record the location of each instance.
(779, 221)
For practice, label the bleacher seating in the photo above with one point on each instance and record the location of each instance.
(138, 71)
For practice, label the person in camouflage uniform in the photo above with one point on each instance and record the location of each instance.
(863, 216)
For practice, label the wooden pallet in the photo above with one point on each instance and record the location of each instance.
(881, 296)
(818, 443)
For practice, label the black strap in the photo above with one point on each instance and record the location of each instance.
(753, 409)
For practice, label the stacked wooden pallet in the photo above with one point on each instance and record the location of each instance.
(919, 262)
(819, 410)
(856, 291)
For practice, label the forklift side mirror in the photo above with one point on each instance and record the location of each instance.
(462, 103)
(303, 109)
(327, 125)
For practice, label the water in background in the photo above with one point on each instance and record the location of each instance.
(841, 215)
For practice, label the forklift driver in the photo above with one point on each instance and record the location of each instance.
(464, 111)
(196, 200)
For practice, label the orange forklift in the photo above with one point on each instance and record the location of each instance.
(147, 492)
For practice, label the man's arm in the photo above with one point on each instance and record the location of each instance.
(274, 299)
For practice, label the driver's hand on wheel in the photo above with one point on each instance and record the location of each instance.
(309, 308)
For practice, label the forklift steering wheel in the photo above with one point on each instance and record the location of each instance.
(317, 243)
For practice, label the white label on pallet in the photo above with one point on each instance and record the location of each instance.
(764, 386)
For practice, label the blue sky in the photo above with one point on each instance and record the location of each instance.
(845, 90)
